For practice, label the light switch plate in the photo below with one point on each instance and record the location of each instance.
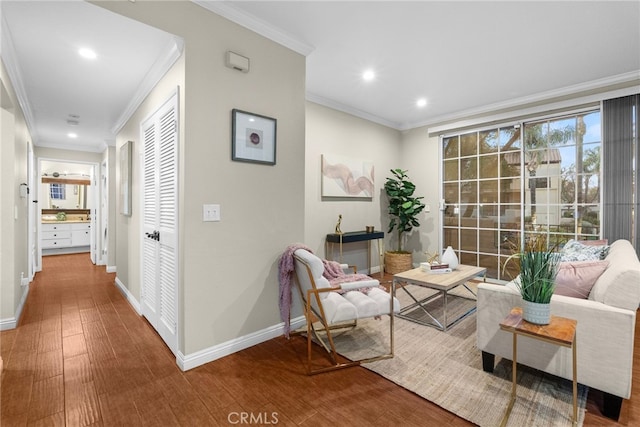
(211, 213)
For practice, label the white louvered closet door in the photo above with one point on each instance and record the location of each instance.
(159, 134)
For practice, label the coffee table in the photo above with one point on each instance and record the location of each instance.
(443, 283)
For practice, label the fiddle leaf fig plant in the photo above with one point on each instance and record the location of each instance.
(404, 207)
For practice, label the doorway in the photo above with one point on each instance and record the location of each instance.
(66, 200)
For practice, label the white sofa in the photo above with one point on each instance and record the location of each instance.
(605, 329)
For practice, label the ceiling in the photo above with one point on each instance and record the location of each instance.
(57, 87)
(461, 57)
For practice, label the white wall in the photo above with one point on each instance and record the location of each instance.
(228, 269)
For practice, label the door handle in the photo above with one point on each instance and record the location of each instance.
(155, 235)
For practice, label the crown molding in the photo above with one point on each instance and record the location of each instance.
(255, 24)
(352, 111)
(160, 67)
(7, 50)
(91, 148)
(605, 86)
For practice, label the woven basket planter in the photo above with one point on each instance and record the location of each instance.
(395, 263)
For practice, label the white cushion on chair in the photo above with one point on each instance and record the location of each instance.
(338, 309)
(382, 299)
(366, 306)
(321, 283)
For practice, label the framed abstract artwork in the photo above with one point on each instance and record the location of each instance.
(345, 177)
(253, 138)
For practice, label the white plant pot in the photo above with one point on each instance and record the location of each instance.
(535, 312)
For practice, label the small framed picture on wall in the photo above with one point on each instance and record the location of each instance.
(253, 138)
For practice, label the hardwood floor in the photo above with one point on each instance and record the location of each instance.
(82, 356)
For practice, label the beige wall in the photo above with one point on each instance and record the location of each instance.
(332, 132)
(228, 269)
(63, 155)
(420, 158)
(13, 209)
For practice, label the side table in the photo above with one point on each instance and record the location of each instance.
(560, 331)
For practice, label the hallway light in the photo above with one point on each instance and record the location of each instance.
(368, 75)
(87, 53)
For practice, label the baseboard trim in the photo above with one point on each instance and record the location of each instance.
(9, 323)
(193, 360)
(129, 296)
(111, 268)
(12, 322)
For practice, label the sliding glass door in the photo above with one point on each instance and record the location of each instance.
(539, 177)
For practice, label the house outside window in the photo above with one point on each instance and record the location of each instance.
(503, 183)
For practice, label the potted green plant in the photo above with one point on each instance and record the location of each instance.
(403, 211)
(536, 281)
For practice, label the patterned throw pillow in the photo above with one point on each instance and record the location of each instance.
(576, 251)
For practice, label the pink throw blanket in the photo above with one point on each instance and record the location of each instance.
(286, 267)
(336, 276)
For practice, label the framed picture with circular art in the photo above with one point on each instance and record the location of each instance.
(253, 138)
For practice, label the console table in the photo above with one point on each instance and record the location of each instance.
(353, 237)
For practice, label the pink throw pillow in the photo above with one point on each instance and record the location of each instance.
(576, 278)
(602, 242)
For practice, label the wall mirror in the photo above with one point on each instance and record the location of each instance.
(61, 193)
(65, 186)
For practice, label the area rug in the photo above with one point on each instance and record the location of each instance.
(446, 369)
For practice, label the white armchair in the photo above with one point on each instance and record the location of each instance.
(329, 308)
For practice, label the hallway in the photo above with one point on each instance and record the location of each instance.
(79, 346)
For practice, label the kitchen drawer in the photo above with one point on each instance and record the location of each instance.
(56, 243)
(63, 234)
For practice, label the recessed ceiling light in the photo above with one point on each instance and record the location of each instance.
(72, 135)
(421, 102)
(368, 75)
(87, 53)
